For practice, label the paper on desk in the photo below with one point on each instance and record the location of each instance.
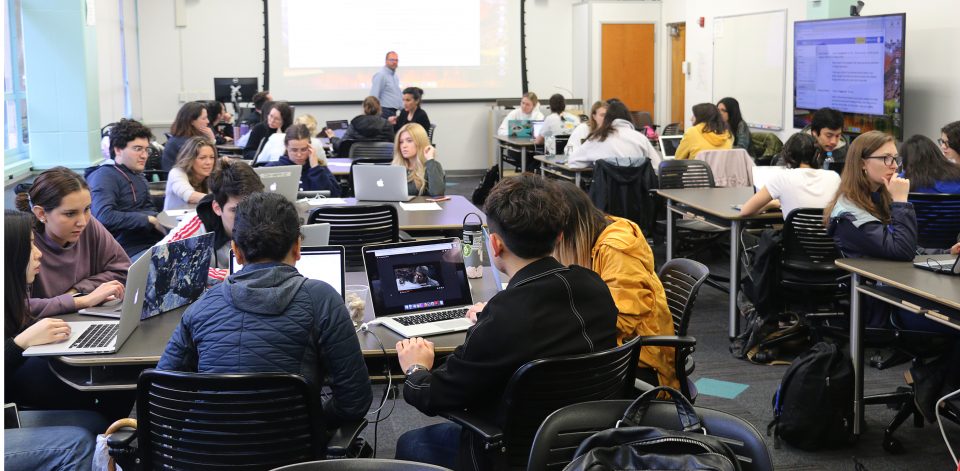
(325, 201)
(179, 212)
(420, 206)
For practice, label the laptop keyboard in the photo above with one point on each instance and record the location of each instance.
(435, 316)
(97, 335)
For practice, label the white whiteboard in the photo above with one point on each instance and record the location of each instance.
(749, 64)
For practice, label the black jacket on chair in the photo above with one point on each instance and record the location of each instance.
(624, 191)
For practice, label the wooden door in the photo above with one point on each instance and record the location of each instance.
(626, 65)
(678, 83)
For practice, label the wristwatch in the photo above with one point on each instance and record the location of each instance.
(415, 368)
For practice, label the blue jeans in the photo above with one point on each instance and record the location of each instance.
(436, 444)
(55, 447)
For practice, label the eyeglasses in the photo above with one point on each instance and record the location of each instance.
(138, 149)
(943, 143)
(888, 159)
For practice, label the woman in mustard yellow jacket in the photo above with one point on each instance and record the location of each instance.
(616, 250)
(709, 132)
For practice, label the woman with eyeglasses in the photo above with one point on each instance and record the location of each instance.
(928, 170)
(950, 141)
(315, 175)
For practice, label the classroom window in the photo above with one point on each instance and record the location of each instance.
(15, 136)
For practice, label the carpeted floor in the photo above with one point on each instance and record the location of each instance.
(925, 446)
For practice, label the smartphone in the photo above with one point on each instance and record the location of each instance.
(438, 199)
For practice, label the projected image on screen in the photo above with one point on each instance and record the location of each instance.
(451, 49)
(854, 65)
(415, 278)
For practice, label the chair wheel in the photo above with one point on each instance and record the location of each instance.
(892, 445)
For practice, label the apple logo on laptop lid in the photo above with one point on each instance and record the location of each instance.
(380, 183)
(273, 187)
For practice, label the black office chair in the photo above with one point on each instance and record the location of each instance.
(670, 130)
(681, 279)
(370, 161)
(228, 421)
(564, 430)
(625, 190)
(641, 119)
(542, 386)
(371, 150)
(692, 236)
(938, 219)
(361, 464)
(358, 225)
(807, 272)
(433, 128)
(153, 170)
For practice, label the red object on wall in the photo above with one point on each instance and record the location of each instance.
(701, 22)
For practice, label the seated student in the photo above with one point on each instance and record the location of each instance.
(413, 151)
(871, 217)
(191, 121)
(219, 121)
(729, 109)
(259, 100)
(559, 123)
(580, 133)
(274, 148)
(278, 117)
(529, 109)
(547, 310)
(79, 254)
(121, 197)
(950, 141)
(269, 318)
(617, 250)
(614, 137)
(412, 112)
(802, 186)
(927, 168)
(827, 127)
(708, 132)
(46, 439)
(300, 151)
(368, 127)
(229, 185)
(187, 182)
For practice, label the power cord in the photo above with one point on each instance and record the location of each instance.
(365, 327)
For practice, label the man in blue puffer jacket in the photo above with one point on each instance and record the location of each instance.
(269, 318)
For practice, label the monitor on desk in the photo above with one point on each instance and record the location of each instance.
(234, 89)
(339, 127)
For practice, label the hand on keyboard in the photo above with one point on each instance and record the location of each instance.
(473, 311)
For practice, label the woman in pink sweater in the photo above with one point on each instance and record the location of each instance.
(83, 265)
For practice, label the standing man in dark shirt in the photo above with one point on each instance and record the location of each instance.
(547, 310)
(386, 87)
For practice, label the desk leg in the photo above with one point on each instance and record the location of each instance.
(523, 159)
(734, 276)
(576, 178)
(669, 231)
(856, 352)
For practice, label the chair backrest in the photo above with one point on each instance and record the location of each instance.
(542, 386)
(371, 150)
(560, 142)
(641, 119)
(676, 174)
(671, 129)
(433, 128)
(361, 464)
(358, 225)
(564, 430)
(681, 279)
(622, 187)
(806, 243)
(373, 161)
(938, 219)
(227, 421)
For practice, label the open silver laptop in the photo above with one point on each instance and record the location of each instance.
(380, 183)
(98, 337)
(946, 266)
(668, 146)
(283, 179)
(419, 288)
(317, 263)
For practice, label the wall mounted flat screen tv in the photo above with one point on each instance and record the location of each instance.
(854, 65)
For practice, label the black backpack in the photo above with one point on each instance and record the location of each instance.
(813, 407)
(483, 189)
(637, 447)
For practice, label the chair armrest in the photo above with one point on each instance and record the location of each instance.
(668, 341)
(122, 438)
(491, 434)
(343, 437)
(404, 237)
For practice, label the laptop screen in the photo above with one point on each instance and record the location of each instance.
(416, 276)
(668, 145)
(339, 127)
(317, 263)
(177, 274)
(537, 128)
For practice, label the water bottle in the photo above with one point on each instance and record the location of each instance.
(244, 128)
(472, 246)
(828, 161)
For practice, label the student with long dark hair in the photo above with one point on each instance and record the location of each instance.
(709, 132)
(614, 137)
(950, 141)
(558, 123)
(83, 264)
(301, 151)
(412, 112)
(192, 121)
(729, 109)
(927, 168)
(62, 443)
(187, 181)
(277, 117)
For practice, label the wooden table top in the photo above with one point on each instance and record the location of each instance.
(717, 202)
(940, 288)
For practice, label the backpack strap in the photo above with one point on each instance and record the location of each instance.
(689, 419)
